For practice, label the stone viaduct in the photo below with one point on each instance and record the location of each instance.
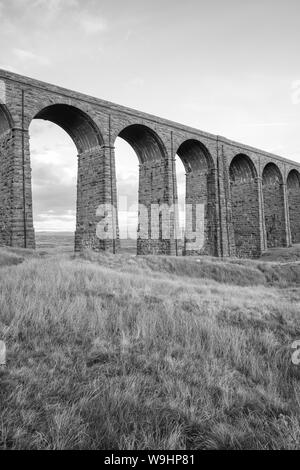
(251, 198)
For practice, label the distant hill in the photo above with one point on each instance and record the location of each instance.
(55, 241)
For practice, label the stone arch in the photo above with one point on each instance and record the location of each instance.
(245, 206)
(293, 189)
(78, 124)
(273, 196)
(153, 193)
(195, 155)
(200, 191)
(145, 141)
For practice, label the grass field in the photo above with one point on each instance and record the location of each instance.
(125, 352)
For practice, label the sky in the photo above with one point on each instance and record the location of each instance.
(227, 67)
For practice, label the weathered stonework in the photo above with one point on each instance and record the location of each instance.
(293, 188)
(273, 194)
(251, 198)
(245, 193)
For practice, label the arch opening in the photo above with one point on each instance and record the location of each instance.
(69, 132)
(144, 141)
(80, 127)
(200, 199)
(273, 196)
(245, 206)
(127, 177)
(54, 177)
(139, 186)
(293, 190)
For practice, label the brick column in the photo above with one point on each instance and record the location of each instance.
(156, 183)
(287, 216)
(215, 211)
(96, 187)
(178, 247)
(262, 225)
(17, 223)
(6, 177)
(227, 243)
(201, 236)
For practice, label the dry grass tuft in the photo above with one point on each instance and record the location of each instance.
(119, 352)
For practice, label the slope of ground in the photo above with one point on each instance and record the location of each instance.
(282, 254)
(119, 352)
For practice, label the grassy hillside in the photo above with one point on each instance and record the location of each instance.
(120, 352)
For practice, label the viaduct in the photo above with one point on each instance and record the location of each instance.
(251, 198)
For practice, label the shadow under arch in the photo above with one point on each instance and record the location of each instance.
(200, 192)
(80, 127)
(153, 192)
(244, 194)
(293, 190)
(273, 197)
(194, 155)
(145, 142)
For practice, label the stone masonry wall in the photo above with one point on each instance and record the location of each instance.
(244, 193)
(269, 208)
(22, 221)
(274, 208)
(6, 169)
(200, 189)
(245, 218)
(293, 187)
(154, 190)
(96, 187)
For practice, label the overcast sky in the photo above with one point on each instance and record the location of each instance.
(228, 67)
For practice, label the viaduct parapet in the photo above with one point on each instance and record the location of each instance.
(251, 198)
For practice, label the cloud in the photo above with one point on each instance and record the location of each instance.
(55, 5)
(7, 25)
(52, 7)
(270, 124)
(53, 197)
(92, 24)
(9, 68)
(66, 215)
(54, 171)
(25, 56)
(137, 82)
(48, 221)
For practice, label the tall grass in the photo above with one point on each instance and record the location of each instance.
(148, 353)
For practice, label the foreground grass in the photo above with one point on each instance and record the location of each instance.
(151, 353)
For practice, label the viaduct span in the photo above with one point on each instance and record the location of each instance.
(251, 198)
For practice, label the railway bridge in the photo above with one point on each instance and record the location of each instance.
(250, 198)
